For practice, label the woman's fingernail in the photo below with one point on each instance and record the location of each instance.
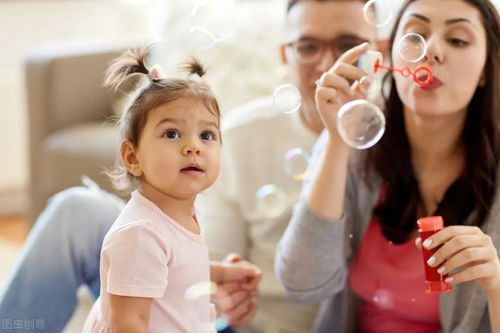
(448, 280)
(440, 270)
(427, 243)
(365, 81)
(431, 261)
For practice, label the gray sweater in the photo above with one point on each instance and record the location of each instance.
(314, 256)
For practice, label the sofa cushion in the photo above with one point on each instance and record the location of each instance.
(74, 89)
(87, 149)
(92, 140)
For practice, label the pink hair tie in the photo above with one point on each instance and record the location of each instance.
(156, 73)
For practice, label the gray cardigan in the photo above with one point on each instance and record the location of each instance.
(314, 255)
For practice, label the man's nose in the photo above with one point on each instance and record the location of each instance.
(327, 60)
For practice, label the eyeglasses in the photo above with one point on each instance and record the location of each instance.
(311, 50)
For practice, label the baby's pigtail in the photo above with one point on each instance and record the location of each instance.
(128, 63)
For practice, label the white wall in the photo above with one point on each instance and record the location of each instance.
(30, 24)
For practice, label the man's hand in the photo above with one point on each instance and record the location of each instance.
(237, 282)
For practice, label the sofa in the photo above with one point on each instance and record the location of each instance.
(69, 113)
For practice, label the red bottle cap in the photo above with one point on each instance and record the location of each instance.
(434, 287)
(431, 223)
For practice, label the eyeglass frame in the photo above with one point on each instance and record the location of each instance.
(324, 44)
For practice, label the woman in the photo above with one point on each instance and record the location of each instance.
(350, 240)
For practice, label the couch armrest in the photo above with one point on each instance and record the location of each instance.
(64, 88)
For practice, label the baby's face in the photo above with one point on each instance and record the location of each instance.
(179, 149)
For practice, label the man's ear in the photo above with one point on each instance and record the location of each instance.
(282, 52)
(130, 161)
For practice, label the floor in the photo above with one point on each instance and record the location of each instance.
(13, 233)
(13, 228)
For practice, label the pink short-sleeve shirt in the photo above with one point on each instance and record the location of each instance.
(147, 254)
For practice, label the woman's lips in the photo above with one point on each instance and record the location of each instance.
(435, 83)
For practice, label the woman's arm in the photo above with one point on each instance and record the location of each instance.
(130, 314)
(311, 256)
(494, 309)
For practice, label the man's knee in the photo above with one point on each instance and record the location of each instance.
(81, 207)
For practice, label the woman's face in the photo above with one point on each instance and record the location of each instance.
(456, 54)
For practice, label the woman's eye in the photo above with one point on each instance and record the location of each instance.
(171, 134)
(207, 136)
(458, 42)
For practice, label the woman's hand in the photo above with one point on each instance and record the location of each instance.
(334, 88)
(471, 251)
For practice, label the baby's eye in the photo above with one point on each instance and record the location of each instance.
(207, 135)
(171, 134)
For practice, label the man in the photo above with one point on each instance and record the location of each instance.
(256, 138)
(63, 249)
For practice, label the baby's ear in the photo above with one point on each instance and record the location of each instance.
(129, 158)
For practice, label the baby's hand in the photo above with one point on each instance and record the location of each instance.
(238, 270)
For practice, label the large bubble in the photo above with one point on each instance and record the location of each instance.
(360, 123)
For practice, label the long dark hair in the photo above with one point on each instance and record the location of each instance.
(473, 191)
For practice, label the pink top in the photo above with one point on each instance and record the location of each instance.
(390, 280)
(147, 254)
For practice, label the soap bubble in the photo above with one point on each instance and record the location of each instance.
(210, 289)
(383, 299)
(360, 123)
(200, 289)
(412, 47)
(287, 98)
(271, 200)
(380, 17)
(296, 161)
(211, 22)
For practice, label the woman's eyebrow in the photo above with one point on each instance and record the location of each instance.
(458, 20)
(447, 22)
(421, 17)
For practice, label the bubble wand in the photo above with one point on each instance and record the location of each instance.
(371, 62)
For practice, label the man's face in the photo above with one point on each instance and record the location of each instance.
(318, 31)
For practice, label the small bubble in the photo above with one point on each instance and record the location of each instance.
(412, 47)
(271, 200)
(296, 162)
(383, 299)
(287, 98)
(200, 289)
(380, 17)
